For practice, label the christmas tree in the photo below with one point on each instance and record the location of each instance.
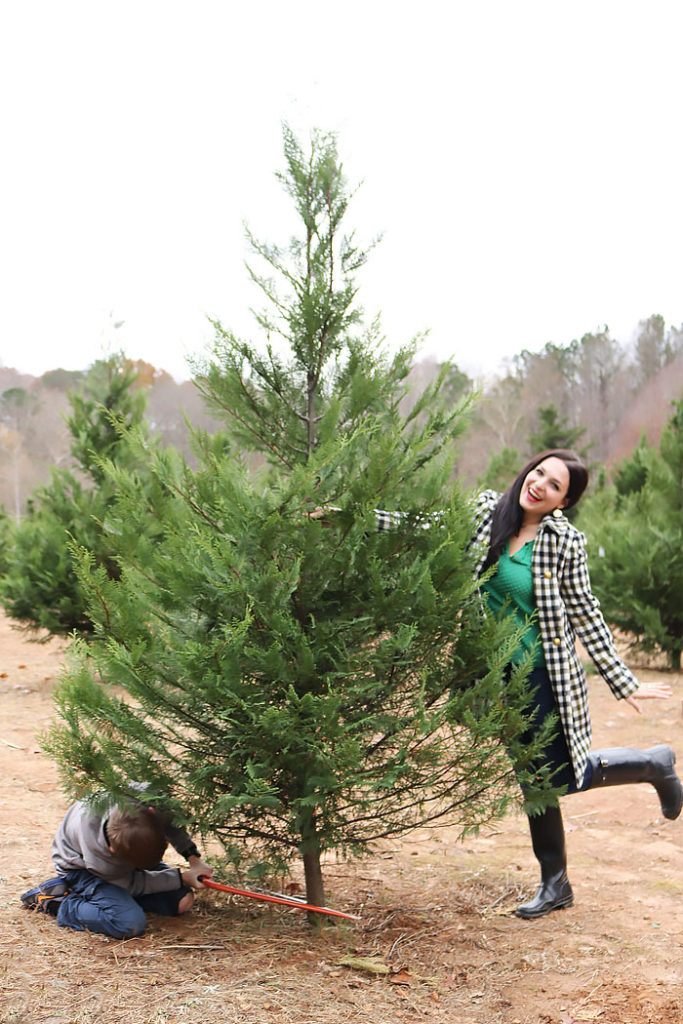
(40, 587)
(295, 684)
(637, 527)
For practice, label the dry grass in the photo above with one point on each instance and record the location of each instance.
(231, 962)
(453, 953)
(436, 914)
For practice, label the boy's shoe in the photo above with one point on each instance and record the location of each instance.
(46, 897)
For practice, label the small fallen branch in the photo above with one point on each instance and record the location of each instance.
(14, 746)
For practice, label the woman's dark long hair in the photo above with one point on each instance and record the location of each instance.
(508, 513)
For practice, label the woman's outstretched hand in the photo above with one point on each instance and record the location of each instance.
(322, 512)
(649, 691)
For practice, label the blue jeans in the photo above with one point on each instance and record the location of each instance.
(98, 906)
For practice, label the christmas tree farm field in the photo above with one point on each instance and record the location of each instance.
(436, 940)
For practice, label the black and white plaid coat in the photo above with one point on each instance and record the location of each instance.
(567, 609)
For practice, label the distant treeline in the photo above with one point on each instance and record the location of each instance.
(604, 392)
(33, 432)
(604, 395)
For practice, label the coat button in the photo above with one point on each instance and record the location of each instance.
(557, 641)
(548, 575)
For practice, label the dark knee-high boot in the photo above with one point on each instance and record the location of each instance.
(547, 840)
(618, 766)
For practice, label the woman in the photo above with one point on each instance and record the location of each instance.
(542, 576)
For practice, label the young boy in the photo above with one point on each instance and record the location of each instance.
(110, 871)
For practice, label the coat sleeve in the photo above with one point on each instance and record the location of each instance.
(482, 506)
(179, 839)
(586, 619)
(181, 842)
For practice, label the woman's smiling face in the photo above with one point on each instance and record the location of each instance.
(544, 489)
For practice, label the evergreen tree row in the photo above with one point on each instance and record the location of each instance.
(636, 525)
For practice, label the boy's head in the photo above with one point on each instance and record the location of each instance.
(137, 836)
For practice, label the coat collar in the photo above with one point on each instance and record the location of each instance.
(558, 524)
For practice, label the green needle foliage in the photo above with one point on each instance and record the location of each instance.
(297, 684)
(553, 432)
(638, 528)
(39, 587)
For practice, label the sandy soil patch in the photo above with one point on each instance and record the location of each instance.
(436, 912)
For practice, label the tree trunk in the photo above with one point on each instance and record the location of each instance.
(17, 489)
(315, 890)
(310, 411)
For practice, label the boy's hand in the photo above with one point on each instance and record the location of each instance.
(197, 867)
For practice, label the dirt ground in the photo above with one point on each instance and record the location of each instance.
(436, 914)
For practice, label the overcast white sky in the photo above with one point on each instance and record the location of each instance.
(523, 161)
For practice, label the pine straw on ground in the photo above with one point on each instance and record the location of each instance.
(445, 956)
(232, 960)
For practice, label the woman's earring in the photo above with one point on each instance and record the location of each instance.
(557, 513)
